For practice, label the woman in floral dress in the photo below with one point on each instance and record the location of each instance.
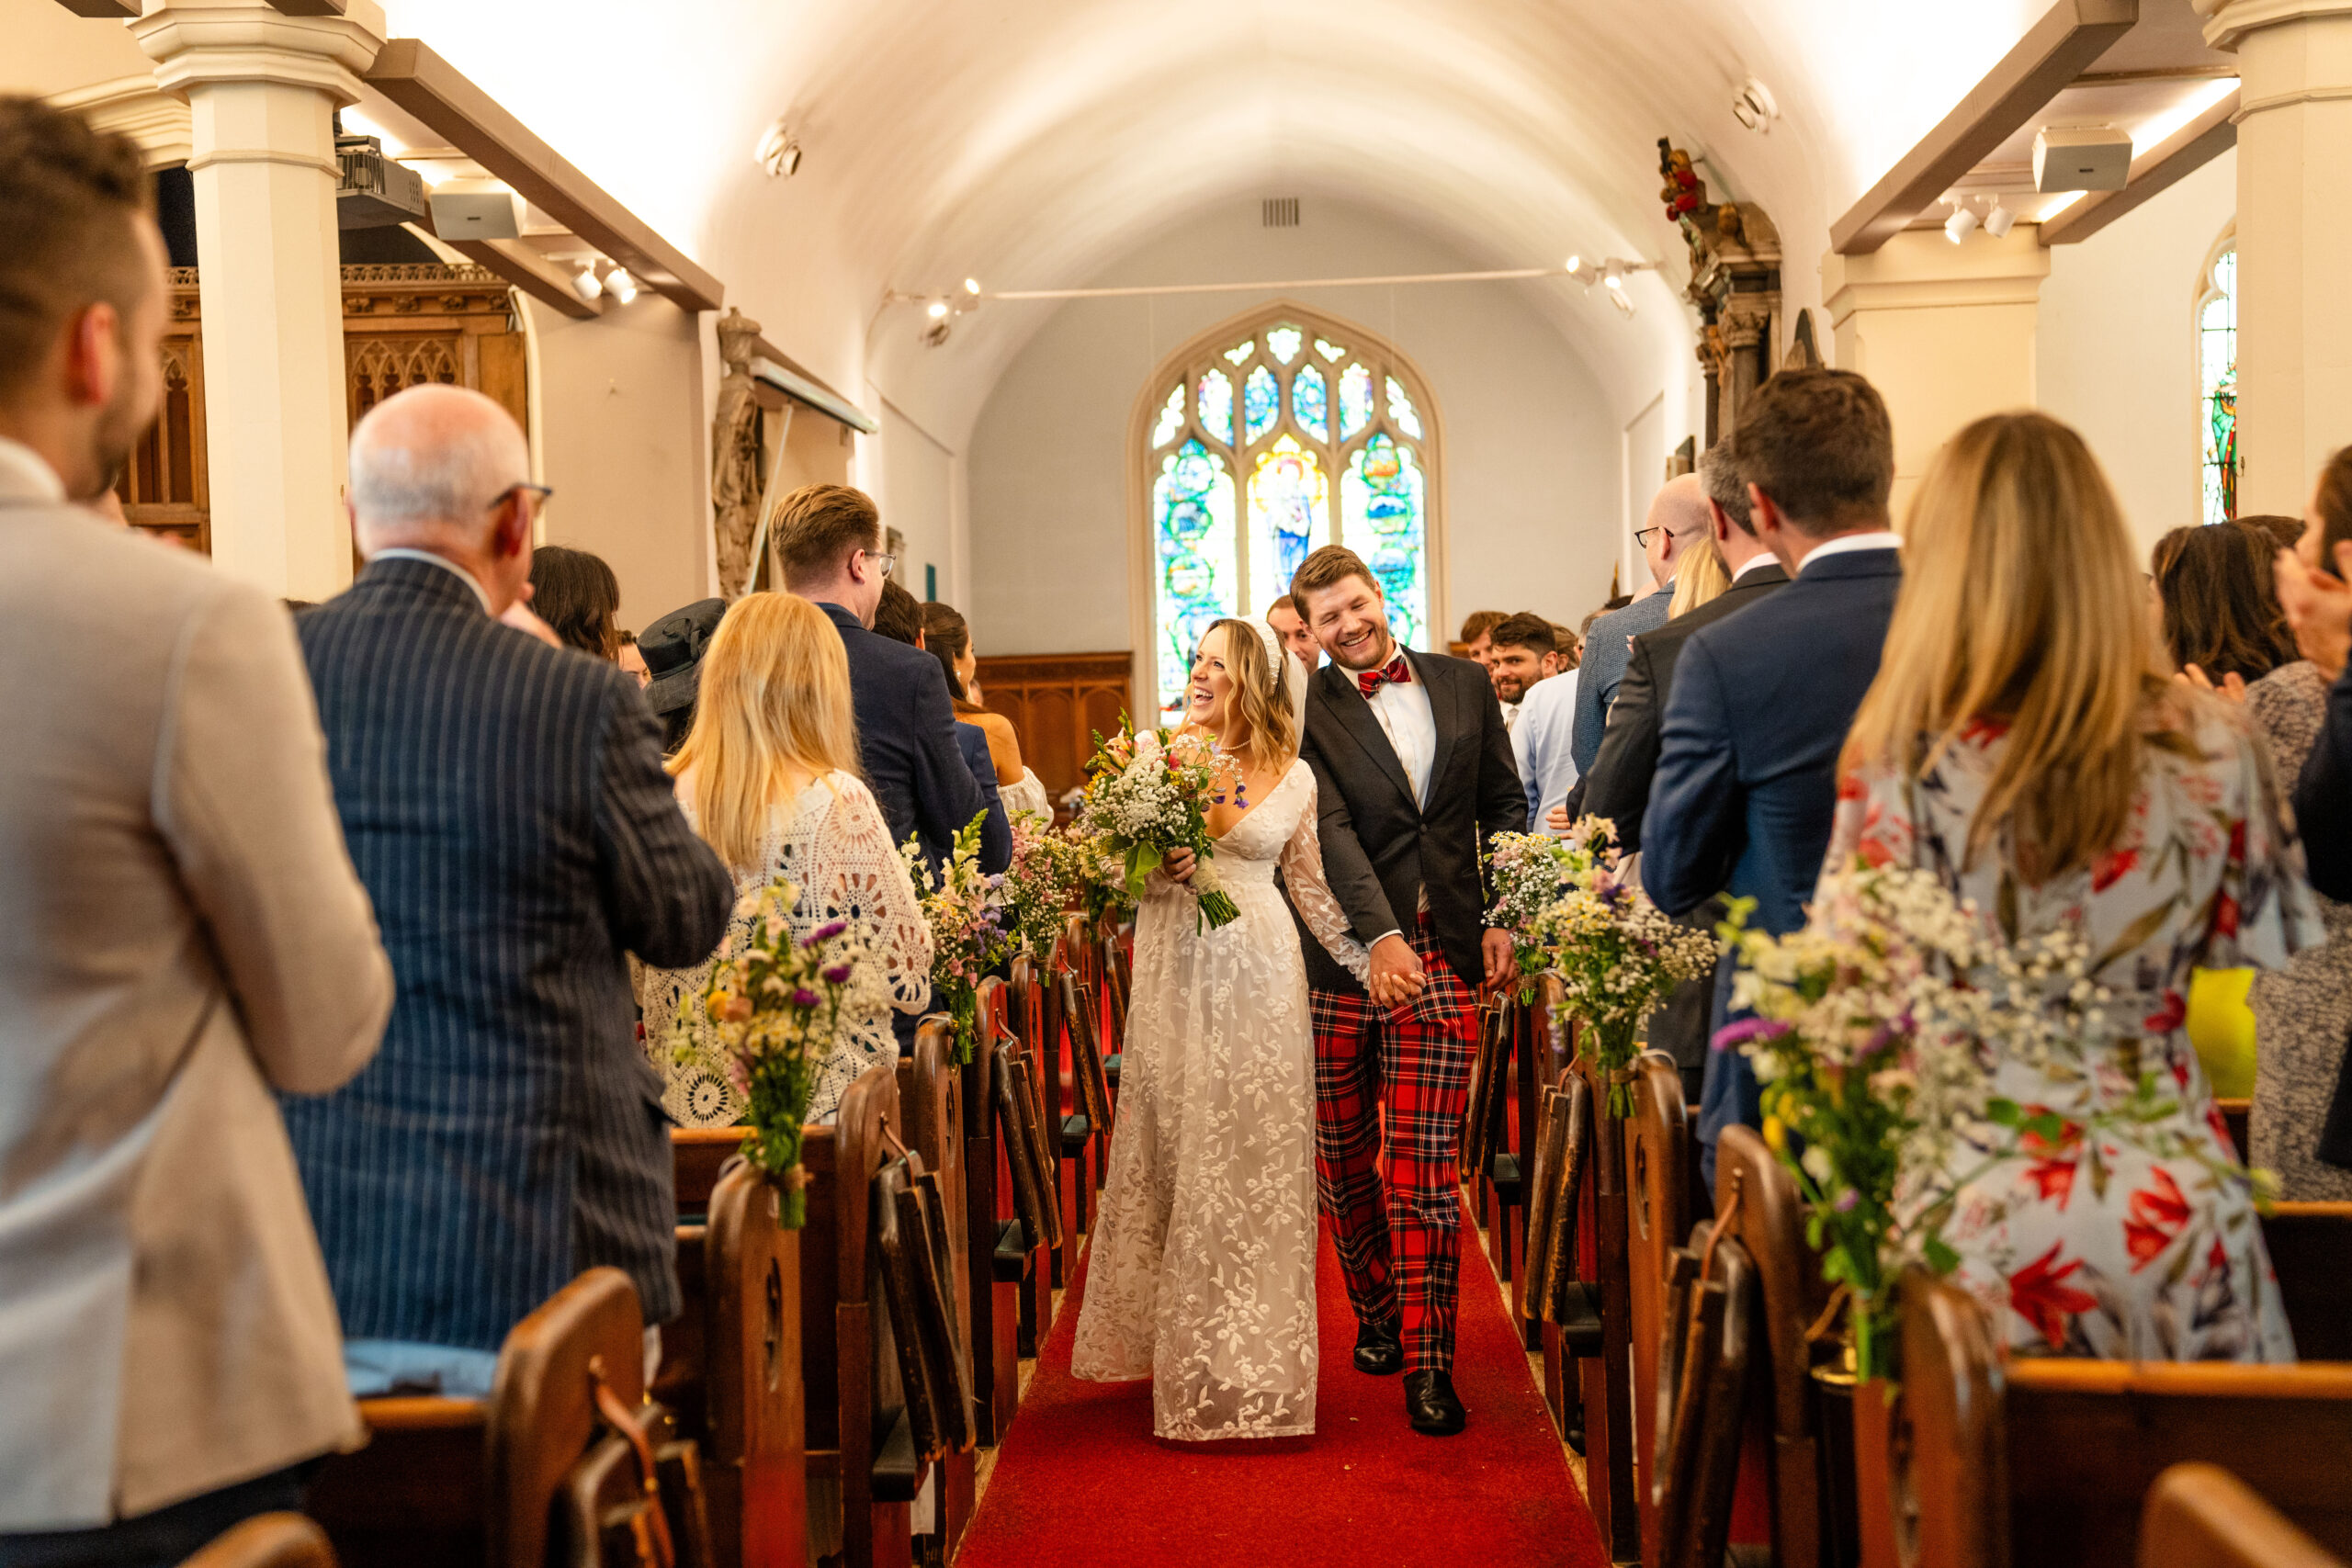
(2021, 742)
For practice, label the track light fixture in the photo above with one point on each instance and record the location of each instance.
(1611, 275)
(1961, 224)
(586, 285)
(621, 285)
(778, 151)
(1999, 222)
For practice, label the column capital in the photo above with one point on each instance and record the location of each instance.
(2227, 22)
(195, 42)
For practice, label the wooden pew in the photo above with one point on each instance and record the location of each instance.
(1115, 963)
(860, 1443)
(1001, 1258)
(2237, 1116)
(697, 1156)
(2200, 1516)
(2035, 1462)
(1658, 1191)
(731, 1362)
(1603, 1226)
(467, 1483)
(267, 1540)
(931, 1094)
(2310, 1251)
(1552, 1034)
(1086, 1127)
(1035, 1018)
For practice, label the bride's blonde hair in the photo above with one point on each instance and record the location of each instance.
(1258, 698)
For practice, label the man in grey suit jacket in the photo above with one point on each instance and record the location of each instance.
(506, 807)
(180, 931)
(1677, 522)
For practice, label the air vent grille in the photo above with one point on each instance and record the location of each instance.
(1279, 212)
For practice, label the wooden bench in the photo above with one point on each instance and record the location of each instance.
(2200, 1516)
(2310, 1251)
(1603, 1228)
(1025, 1121)
(1657, 1170)
(1001, 1258)
(267, 1540)
(467, 1482)
(860, 1443)
(1552, 1034)
(930, 1094)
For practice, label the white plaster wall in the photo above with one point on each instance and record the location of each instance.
(623, 426)
(2117, 347)
(914, 490)
(1532, 478)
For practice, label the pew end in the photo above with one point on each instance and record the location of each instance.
(267, 1540)
(2200, 1516)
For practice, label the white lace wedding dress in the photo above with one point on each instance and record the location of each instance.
(1202, 1269)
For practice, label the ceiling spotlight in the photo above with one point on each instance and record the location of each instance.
(972, 286)
(936, 309)
(585, 284)
(1753, 106)
(1619, 298)
(621, 285)
(1998, 220)
(1961, 224)
(1583, 271)
(778, 151)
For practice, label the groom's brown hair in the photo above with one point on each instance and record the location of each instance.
(1332, 564)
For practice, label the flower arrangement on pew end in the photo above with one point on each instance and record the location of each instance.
(1616, 953)
(1528, 873)
(1047, 876)
(1878, 1033)
(776, 1007)
(964, 908)
(1147, 794)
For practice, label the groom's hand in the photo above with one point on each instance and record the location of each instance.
(1496, 948)
(1397, 977)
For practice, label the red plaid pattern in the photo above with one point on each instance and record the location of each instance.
(1399, 1239)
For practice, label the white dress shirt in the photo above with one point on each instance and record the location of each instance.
(1847, 544)
(1540, 743)
(25, 474)
(1404, 715)
(1754, 563)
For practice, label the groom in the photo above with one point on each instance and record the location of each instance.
(1413, 772)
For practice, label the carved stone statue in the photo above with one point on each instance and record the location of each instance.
(736, 481)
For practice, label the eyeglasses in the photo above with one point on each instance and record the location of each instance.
(882, 563)
(540, 495)
(1642, 536)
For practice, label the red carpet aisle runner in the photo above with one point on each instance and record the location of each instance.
(1082, 1482)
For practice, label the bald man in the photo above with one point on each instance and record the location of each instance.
(1677, 523)
(506, 808)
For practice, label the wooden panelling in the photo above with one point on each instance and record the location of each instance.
(1058, 702)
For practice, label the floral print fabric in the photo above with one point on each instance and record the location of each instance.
(2140, 1245)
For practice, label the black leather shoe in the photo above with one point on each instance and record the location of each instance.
(1430, 1405)
(1378, 1351)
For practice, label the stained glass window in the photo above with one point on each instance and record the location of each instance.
(1302, 433)
(2217, 384)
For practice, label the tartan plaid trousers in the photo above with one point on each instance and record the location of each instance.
(1399, 1239)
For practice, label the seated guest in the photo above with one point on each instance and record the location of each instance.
(1746, 774)
(1291, 627)
(674, 648)
(1678, 519)
(829, 540)
(899, 616)
(768, 776)
(948, 639)
(1477, 643)
(2018, 743)
(577, 595)
(183, 933)
(507, 810)
(2219, 616)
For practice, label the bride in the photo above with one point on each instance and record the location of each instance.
(1203, 1265)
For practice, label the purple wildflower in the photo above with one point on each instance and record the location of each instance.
(1845, 1201)
(805, 997)
(836, 974)
(1732, 1035)
(827, 931)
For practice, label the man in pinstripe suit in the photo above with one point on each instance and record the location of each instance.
(506, 808)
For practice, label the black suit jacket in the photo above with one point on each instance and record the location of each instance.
(906, 741)
(1618, 784)
(507, 809)
(1380, 850)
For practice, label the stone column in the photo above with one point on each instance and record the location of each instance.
(1945, 333)
(262, 88)
(2294, 233)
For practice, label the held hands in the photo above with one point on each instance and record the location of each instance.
(2319, 608)
(1397, 977)
(1179, 865)
(1557, 819)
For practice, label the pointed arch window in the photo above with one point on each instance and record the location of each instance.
(2217, 383)
(1266, 442)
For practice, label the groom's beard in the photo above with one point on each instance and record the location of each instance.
(1379, 660)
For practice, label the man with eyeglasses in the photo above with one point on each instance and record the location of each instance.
(507, 812)
(1677, 522)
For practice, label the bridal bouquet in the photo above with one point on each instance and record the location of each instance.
(776, 1008)
(1878, 1029)
(1048, 871)
(1148, 793)
(1528, 872)
(965, 908)
(1616, 953)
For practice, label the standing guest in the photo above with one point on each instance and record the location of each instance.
(1678, 519)
(631, 658)
(1746, 774)
(183, 933)
(769, 778)
(2281, 533)
(830, 539)
(1291, 626)
(674, 648)
(1519, 656)
(948, 639)
(2219, 615)
(899, 616)
(1413, 775)
(508, 813)
(1567, 645)
(2019, 743)
(1700, 580)
(1477, 639)
(577, 595)
(1540, 741)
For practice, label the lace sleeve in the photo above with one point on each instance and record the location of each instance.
(1302, 863)
(854, 873)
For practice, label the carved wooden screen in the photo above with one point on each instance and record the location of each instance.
(1056, 702)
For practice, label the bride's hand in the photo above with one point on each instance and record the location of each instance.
(1179, 865)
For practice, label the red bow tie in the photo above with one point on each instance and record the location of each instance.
(1395, 671)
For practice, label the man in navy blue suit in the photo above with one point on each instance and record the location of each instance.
(1746, 778)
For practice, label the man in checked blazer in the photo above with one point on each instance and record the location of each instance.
(505, 805)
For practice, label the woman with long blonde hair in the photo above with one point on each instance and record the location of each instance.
(769, 777)
(2023, 743)
(1202, 1275)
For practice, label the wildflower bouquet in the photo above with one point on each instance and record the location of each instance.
(965, 908)
(1528, 872)
(776, 1010)
(1148, 793)
(1616, 953)
(1048, 872)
